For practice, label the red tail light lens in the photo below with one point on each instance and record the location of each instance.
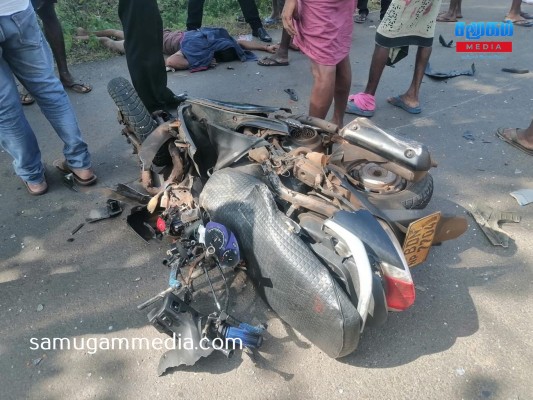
(400, 294)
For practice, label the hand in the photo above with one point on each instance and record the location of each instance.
(272, 48)
(289, 13)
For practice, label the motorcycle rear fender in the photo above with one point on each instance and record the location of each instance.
(411, 154)
(358, 230)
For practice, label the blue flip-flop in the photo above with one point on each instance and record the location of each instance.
(351, 108)
(398, 102)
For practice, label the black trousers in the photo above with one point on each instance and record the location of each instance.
(195, 11)
(362, 6)
(143, 42)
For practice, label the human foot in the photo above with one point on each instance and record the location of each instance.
(69, 82)
(36, 189)
(516, 137)
(406, 103)
(447, 17)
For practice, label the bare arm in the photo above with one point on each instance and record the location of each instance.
(252, 45)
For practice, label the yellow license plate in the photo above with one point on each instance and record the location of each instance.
(419, 238)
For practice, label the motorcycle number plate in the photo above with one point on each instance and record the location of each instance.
(419, 239)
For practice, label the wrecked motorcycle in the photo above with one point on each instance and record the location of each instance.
(328, 220)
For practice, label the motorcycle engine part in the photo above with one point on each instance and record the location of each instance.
(259, 154)
(224, 242)
(377, 179)
(415, 195)
(308, 172)
(304, 136)
(318, 123)
(413, 155)
(288, 274)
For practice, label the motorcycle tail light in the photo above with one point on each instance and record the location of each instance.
(400, 293)
(161, 225)
(399, 285)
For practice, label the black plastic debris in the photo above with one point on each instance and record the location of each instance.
(515, 70)
(469, 136)
(142, 222)
(131, 193)
(292, 94)
(112, 209)
(76, 229)
(68, 181)
(444, 42)
(449, 74)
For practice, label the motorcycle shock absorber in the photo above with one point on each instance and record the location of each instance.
(246, 335)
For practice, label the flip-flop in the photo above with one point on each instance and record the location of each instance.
(398, 102)
(513, 140)
(271, 62)
(526, 15)
(63, 167)
(78, 87)
(520, 22)
(352, 108)
(26, 99)
(442, 18)
(360, 19)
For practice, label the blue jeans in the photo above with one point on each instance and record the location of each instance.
(25, 53)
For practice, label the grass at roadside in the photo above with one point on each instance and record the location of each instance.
(101, 14)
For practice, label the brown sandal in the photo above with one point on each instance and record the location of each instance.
(512, 139)
(63, 167)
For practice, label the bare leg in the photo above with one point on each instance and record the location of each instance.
(454, 12)
(275, 10)
(253, 45)
(411, 97)
(379, 60)
(323, 89)
(110, 33)
(54, 36)
(343, 81)
(113, 45)
(515, 11)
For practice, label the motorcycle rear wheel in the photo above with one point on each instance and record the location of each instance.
(415, 196)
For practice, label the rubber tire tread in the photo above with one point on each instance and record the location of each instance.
(415, 196)
(132, 108)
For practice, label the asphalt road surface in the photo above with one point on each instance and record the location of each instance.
(469, 334)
